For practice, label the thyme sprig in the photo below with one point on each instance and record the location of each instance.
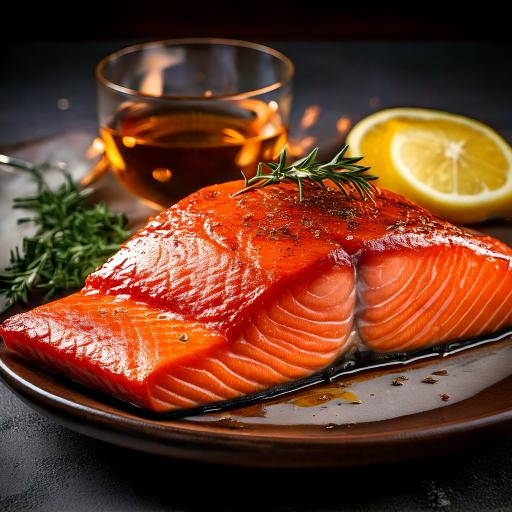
(71, 239)
(341, 170)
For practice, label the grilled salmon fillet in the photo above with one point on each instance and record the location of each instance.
(222, 296)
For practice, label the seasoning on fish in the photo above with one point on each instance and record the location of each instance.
(267, 289)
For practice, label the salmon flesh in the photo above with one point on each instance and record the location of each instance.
(223, 296)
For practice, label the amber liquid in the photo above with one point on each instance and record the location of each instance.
(164, 154)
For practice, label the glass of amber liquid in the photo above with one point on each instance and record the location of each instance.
(181, 114)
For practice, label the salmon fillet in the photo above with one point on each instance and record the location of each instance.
(220, 297)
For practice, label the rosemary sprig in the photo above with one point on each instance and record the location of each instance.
(341, 170)
(71, 240)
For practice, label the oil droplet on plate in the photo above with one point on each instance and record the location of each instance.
(162, 175)
(229, 422)
(252, 411)
(323, 395)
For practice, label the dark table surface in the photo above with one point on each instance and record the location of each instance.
(48, 468)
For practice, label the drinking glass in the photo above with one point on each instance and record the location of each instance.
(180, 114)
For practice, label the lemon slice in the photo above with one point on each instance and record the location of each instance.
(457, 167)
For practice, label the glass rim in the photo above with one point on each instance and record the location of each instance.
(290, 71)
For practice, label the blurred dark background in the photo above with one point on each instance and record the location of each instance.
(445, 55)
(311, 20)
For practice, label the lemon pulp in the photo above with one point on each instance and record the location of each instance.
(457, 167)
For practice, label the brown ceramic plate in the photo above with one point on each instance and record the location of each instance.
(362, 421)
(365, 420)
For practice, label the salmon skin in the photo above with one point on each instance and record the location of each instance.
(221, 297)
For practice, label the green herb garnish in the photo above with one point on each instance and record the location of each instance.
(341, 170)
(71, 240)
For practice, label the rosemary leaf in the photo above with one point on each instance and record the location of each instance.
(342, 171)
(71, 240)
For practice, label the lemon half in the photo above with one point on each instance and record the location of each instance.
(455, 166)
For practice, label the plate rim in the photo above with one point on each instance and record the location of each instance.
(34, 394)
